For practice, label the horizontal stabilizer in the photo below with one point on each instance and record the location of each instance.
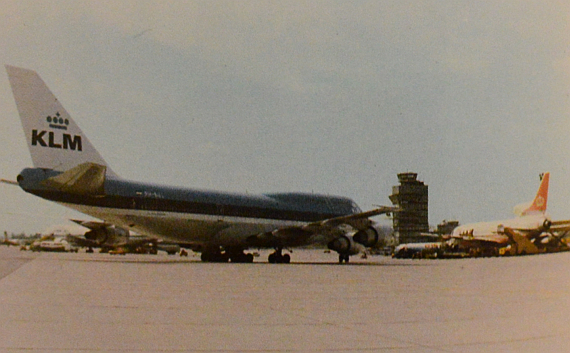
(85, 179)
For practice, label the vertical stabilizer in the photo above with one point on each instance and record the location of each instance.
(54, 140)
(539, 203)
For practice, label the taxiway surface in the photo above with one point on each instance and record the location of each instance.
(143, 303)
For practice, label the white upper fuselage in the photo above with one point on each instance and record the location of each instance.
(533, 222)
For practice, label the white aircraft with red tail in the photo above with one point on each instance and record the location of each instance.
(532, 231)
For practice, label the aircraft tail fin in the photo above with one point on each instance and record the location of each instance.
(54, 139)
(539, 203)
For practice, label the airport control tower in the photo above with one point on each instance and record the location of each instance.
(412, 197)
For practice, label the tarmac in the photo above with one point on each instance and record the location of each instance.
(63, 302)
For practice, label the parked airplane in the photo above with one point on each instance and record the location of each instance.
(220, 225)
(418, 250)
(7, 241)
(51, 242)
(55, 245)
(531, 232)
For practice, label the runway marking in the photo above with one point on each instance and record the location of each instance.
(496, 342)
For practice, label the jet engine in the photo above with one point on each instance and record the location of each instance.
(546, 224)
(367, 237)
(107, 235)
(345, 245)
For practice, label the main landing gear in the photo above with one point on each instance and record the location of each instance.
(238, 256)
(214, 255)
(278, 257)
(233, 255)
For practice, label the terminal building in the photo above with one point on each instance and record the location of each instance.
(412, 197)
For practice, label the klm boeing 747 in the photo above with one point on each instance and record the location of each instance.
(222, 226)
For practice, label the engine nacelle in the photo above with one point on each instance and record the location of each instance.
(107, 235)
(367, 237)
(170, 249)
(546, 224)
(345, 245)
(99, 235)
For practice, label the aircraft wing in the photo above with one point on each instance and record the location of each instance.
(497, 238)
(91, 224)
(549, 226)
(84, 242)
(328, 228)
(138, 241)
(492, 238)
(357, 220)
(560, 226)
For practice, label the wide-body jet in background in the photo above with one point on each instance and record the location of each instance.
(532, 231)
(221, 225)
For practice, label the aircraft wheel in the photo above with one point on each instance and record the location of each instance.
(343, 258)
(278, 258)
(238, 256)
(214, 257)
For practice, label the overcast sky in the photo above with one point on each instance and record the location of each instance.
(334, 97)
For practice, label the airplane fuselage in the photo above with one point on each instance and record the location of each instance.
(191, 215)
(536, 222)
